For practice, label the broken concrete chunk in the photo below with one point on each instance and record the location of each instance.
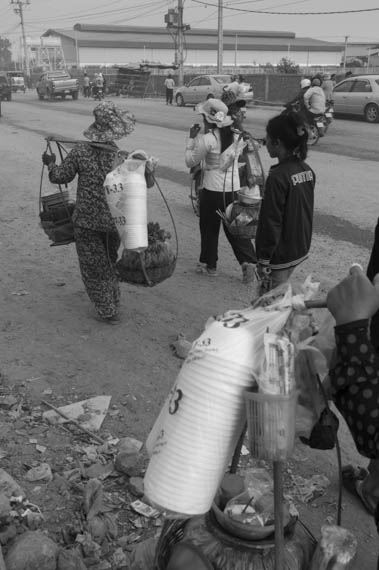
(8, 485)
(136, 486)
(32, 551)
(129, 464)
(129, 445)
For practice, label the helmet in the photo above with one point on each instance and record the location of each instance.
(305, 83)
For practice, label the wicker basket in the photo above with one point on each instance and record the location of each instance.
(56, 221)
(247, 231)
(147, 276)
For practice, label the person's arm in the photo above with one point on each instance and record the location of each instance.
(352, 303)
(307, 98)
(270, 220)
(198, 146)
(66, 171)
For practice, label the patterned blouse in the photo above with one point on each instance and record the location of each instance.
(92, 164)
(355, 385)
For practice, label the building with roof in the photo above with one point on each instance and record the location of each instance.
(87, 45)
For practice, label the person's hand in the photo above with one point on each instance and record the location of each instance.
(194, 131)
(48, 158)
(354, 298)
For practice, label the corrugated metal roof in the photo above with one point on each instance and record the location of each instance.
(140, 37)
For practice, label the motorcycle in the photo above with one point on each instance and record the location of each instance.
(329, 114)
(98, 93)
(316, 126)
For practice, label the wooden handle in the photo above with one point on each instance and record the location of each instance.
(315, 304)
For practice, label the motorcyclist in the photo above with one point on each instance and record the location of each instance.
(297, 103)
(327, 86)
(314, 100)
(99, 85)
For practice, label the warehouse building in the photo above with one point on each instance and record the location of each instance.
(104, 45)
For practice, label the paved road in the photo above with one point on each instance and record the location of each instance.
(345, 161)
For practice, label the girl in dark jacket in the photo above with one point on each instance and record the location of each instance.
(285, 222)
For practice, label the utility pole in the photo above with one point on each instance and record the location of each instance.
(174, 23)
(19, 6)
(220, 44)
(344, 55)
(180, 42)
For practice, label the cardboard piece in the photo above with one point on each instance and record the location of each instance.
(89, 413)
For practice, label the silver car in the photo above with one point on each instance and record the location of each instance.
(358, 95)
(201, 88)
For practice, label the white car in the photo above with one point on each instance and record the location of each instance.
(204, 87)
(358, 95)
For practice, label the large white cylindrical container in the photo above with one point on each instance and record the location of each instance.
(126, 193)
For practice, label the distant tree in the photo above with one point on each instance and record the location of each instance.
(5, 54)
(285, 65)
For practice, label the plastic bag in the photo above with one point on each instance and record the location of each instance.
(126, 194)
(231, 153)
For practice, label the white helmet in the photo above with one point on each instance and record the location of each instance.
(305, 83)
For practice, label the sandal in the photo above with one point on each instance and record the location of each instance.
(353, 481)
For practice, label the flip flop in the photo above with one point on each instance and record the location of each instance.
(353, 481)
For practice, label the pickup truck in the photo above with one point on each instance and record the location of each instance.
(54, 84)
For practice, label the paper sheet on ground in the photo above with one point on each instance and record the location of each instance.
(89, 413)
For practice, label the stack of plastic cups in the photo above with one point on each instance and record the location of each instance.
(198, 435)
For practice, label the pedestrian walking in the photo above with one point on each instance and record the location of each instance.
(285, 223)
(96, 237)
(170, 86)
(86, 86)
(217, 185)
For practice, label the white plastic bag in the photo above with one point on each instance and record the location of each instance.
(126, 194)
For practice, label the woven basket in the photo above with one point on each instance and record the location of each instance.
(247, 231)
(61, 232)
(147, 276)
(172, 533)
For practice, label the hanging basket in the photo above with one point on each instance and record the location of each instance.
(156, 263)
(237, 216)
(55, 211)
(138, 268)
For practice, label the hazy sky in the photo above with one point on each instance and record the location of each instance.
(40, 15)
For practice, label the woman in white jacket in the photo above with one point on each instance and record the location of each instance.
(217, 187)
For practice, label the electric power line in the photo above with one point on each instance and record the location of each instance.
(289, 13)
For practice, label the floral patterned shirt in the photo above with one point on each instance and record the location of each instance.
(91, 164)
(355, 385)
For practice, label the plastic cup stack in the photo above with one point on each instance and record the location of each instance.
(198, 435)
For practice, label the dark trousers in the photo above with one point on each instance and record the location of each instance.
(210, 223)
(169, 95)
(97, 253)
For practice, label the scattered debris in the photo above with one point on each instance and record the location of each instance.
(181, 346)
(8, 485)
(145, 510)
(309, 489)
(41, 472)
(67, 418)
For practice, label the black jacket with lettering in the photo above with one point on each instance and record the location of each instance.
(284, 231)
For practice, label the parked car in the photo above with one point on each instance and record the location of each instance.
(5, 88)
(57, 83)
(201, 88)
(358, 95)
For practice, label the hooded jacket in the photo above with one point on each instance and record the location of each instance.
(285, 223)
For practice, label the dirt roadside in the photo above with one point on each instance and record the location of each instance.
(51, 342)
